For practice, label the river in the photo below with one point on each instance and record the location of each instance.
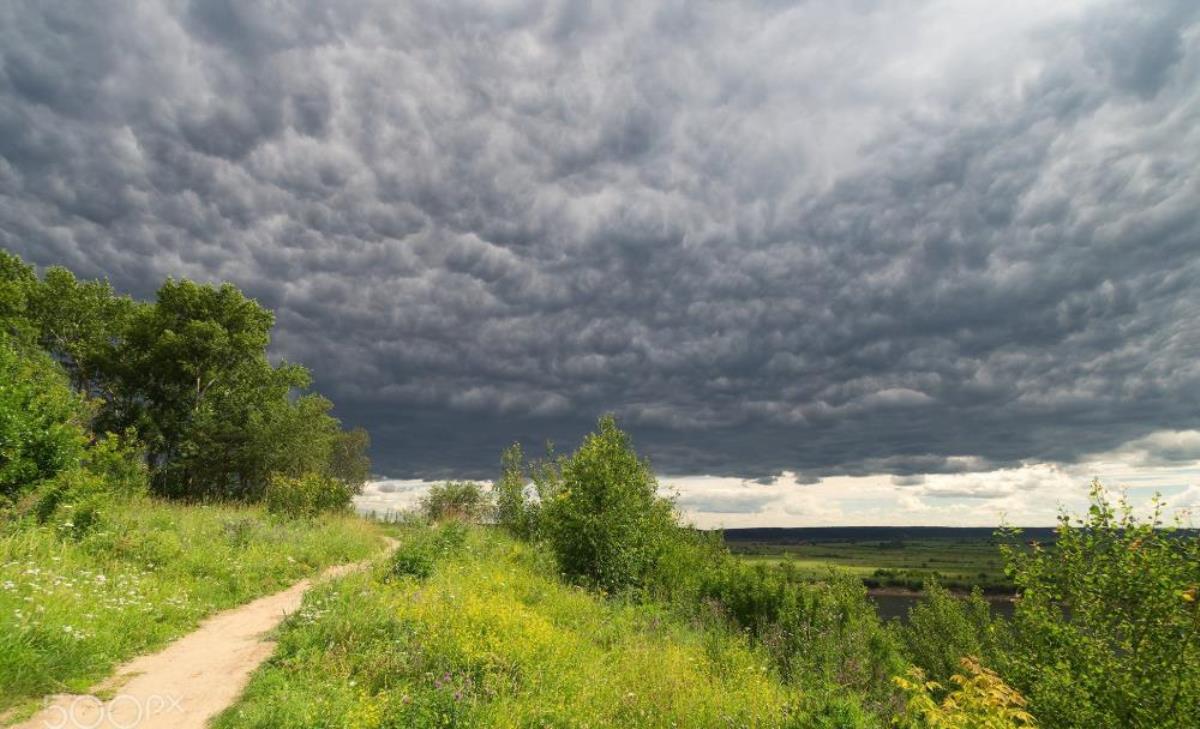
(895, 604)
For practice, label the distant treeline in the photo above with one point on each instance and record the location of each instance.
(181, 384)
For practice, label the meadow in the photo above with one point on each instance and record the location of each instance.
(148, 572)
(883, 557)
(483, 633)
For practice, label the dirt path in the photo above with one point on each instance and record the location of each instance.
(191, 680)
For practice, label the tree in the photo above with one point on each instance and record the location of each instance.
(348, 459)
(602, 515)
(189, 374)
(17, 280)
(82, 324)
(190, 368)
(513, 510)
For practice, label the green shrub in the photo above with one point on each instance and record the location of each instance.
(41, 420)
(73, 502)
(976, 699)
(602, 515)
(943, 629)
(306, 496)
(825, 636)
(1107, 630)
(412, 560)
(423, 547)
(120, 461)
(462, 500)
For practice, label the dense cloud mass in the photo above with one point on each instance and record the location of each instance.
(822, 238)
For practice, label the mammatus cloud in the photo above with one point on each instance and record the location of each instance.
(822, 239)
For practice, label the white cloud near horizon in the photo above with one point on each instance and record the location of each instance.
(1030, 495)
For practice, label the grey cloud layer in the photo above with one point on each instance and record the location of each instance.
(770, 236)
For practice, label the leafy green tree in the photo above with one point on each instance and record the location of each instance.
(196, 344)
(82, 324)
(189, 375)
(1107, 630)
(41, 420)
(348, 459)
(602, 515)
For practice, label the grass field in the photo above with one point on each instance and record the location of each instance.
(901, 559)
(486, 635)
(73, 607)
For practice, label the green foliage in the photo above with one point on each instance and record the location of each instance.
(977, 699)
(823, 634)
(73, 502)
(1107, 630)
(188, 373)
(602, 515)
(74, 603)
(305, 496)
(943, 629)
(462, 500)
(41, 430)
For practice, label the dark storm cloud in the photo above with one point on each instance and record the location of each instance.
(843, 239)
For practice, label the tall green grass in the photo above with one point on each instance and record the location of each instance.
(72, 607)
(488, 635)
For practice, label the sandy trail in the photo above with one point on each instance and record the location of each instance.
(191, 680)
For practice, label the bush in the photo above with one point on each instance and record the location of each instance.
(41, 420)
(120, 461)
(943, 629)
(824, 636)
(306, 496)
(423, 547)
(602, 515)
(461, 500)
(978, 699)
(1107, 630)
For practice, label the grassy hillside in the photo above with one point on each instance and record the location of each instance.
(73, 607)
(492, 638)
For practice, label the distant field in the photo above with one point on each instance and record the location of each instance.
(885, 556)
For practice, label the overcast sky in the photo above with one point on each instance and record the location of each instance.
(827, 261)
